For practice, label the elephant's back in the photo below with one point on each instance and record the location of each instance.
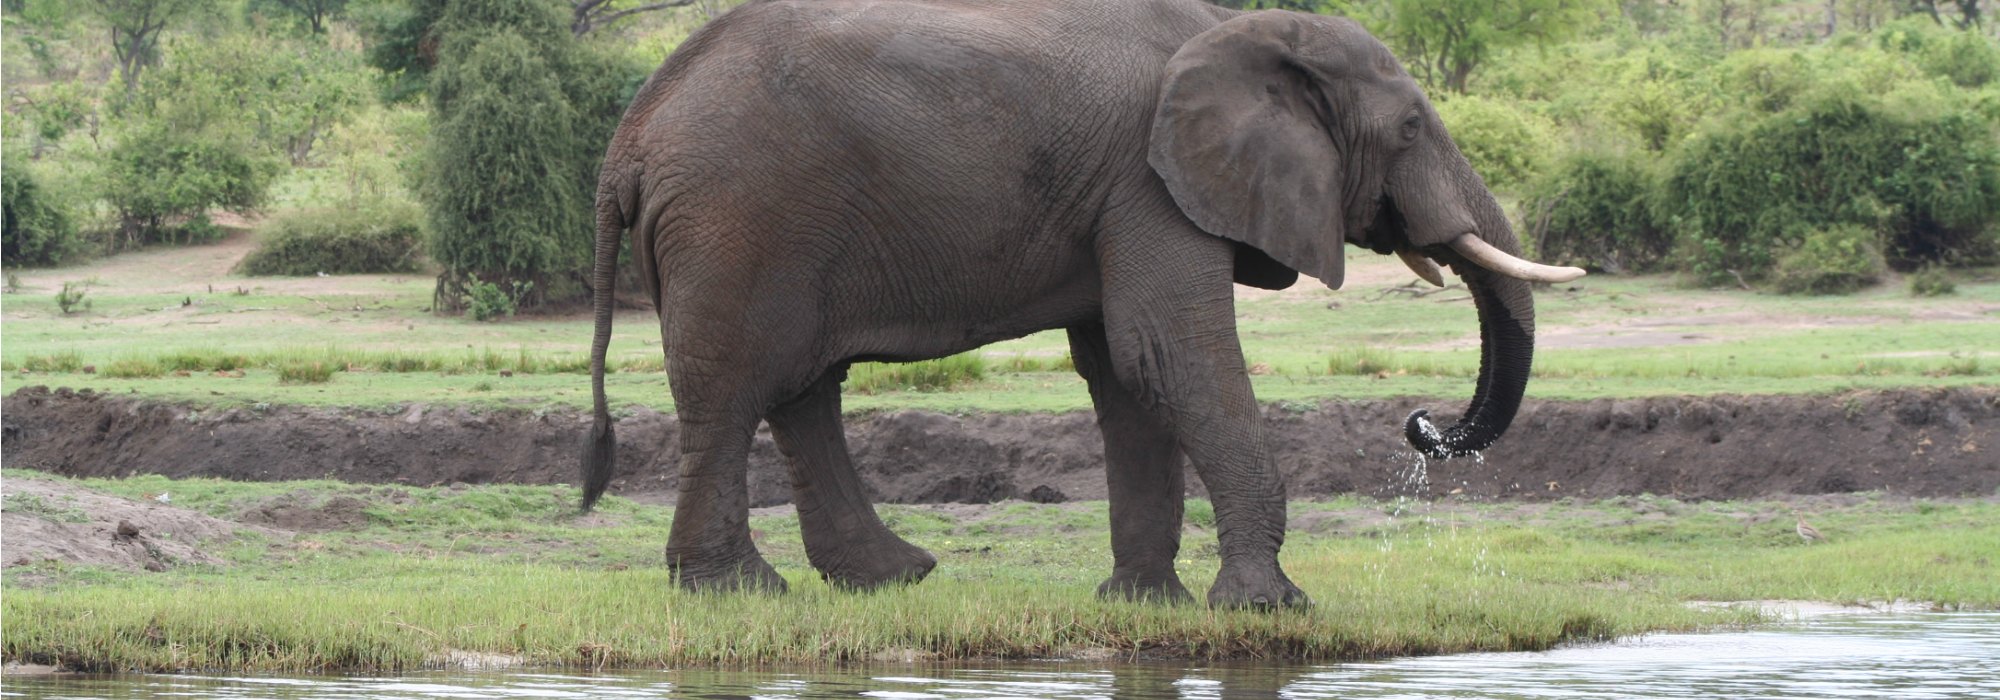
(966, 139)
(768, 68)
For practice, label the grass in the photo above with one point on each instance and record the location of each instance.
(1603, 337)
(511, 571)
(306, 372)
(942, 374)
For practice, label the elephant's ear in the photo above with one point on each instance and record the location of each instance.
(1239, 139)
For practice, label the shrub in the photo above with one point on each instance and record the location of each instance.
(1505, 144)
(1834, 260)
(1594, 210)
(1743, 193)
(71, 300)
(155, 176)
(38, 229)
(1931, 281)
(488, 301)
(380, 236)
(1966, 58)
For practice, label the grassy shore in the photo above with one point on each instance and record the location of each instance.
(174, 324)
(509, 573)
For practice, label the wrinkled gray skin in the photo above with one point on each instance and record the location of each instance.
(811, 184)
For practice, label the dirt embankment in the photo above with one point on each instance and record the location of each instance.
(48, 521)
(1908, 442)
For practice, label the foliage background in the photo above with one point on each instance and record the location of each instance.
(1731, 141)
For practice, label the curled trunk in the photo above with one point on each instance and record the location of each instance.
(1507, 351)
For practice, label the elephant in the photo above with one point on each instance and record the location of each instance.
(813, 183)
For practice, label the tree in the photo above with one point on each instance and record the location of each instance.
(521, 114)
(587, 15)
(37, 229)
(215, 124)
(136, 27)
(315, 13)
(285, 93)
(1445, 40)
(401, 43)
(1968, 12)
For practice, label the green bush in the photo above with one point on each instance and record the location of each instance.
(1835, 260)
(1966, 58)
(487, 301)
(1505, 144)
(1740, 194)
(1594, 210)
(155, 177)
(1931, 281)
(381, 236)
(38, 229)
(71, 299)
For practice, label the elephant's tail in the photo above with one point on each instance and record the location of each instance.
(600, 448)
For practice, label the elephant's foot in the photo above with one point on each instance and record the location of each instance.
(1145, 586)
(1259, 587)
(876, 562)
(705, 571)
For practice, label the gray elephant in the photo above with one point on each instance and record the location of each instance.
(816, 183)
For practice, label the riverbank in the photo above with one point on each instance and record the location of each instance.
(325, 576)
(1907, 442)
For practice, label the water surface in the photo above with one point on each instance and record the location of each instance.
(1941, 655)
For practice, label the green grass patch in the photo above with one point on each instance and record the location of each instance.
(306, 372)
(1602, 337)
(943, 374)
(511, 570)
(34, 505)
(134, 368)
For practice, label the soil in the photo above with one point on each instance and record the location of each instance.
(50, 522)
(1916, 442)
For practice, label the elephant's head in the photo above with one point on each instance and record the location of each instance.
(1297, 134)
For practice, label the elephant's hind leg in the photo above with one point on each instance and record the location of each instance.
(1143, 470)
(844, 539)
(709, 547)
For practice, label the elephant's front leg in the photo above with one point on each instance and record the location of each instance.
(844, 539)
(1143, 470)
(1169, 315)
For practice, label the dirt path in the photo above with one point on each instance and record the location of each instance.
(1906, 442)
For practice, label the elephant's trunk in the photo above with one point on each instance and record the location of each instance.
(1507, 351)
(1488, 261)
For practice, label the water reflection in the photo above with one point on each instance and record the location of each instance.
(1903, 656)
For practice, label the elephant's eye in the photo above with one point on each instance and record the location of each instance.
(1410, 127)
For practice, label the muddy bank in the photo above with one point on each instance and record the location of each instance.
(1909, 442)
(63, 523)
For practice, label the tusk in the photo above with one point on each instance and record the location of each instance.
(1485, 255)
(1423, 266)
